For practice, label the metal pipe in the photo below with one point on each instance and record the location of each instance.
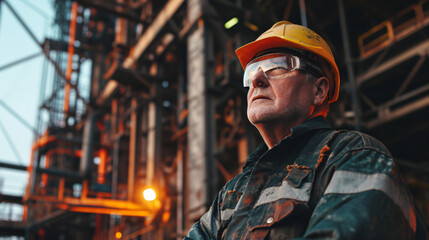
(69, 70)
(42, 93)
(303, 13)
(288, 9)
(179, 189)
(209, 113)
(59, 173)
(32, 172)
(151, 143)
(116, 146)
(349, 63)
(133, 147)
(87, 143)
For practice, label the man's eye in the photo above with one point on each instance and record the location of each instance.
(276, 71)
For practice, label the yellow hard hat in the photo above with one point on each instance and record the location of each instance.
(285, 34)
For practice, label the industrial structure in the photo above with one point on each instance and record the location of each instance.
(163, 106)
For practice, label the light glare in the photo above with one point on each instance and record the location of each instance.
(149, 194)
(231, 23)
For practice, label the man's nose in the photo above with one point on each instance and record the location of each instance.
(259, 79)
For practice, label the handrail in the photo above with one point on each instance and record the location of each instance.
(394, 29)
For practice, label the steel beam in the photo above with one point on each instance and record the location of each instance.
(109, 211)
(59, 173)
(11, 228)
(112, 10)
(13, 166)
(103, 206)
(388, 115)
(151, 142)
(134, 130)
(199, 167)
(411, 75)
(88, 143)
(152, 31)
(303, 13)
(10, 198)
(350, 70)
(143, 43)
(70, 51)
(420, 49)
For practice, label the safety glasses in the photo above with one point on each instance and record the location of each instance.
(277, 65)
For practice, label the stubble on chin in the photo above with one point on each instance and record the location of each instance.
(261, 116)
(269, 117)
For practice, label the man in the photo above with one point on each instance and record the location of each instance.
(308, 181)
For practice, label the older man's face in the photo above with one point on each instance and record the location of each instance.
(286, 100)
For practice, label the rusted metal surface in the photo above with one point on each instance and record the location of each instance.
(132, 149)
(149, 35)
(196, 165)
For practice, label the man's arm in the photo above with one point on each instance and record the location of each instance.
(208, 225)
(365, 199)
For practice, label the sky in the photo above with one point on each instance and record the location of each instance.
(20, 85)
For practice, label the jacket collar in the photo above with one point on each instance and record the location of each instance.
(310, 126)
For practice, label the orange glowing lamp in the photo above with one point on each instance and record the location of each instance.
(149, 194)
(118, 235)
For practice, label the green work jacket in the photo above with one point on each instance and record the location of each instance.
(315, 184)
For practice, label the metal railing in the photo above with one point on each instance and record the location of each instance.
(386, 33)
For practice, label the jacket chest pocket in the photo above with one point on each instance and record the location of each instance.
(283, 219)
(275, 205)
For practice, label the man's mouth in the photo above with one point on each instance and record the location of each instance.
(259, 97)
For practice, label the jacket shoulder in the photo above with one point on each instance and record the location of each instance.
(357, 151)
(355, 141)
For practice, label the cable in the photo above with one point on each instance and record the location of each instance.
(12, 146)
(24, 59)
(16, 115)
(36, 9)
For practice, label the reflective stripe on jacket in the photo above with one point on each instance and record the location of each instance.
(315, 184)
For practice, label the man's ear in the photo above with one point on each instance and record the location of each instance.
(320, 90)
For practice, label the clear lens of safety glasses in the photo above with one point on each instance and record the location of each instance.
(275, 66)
